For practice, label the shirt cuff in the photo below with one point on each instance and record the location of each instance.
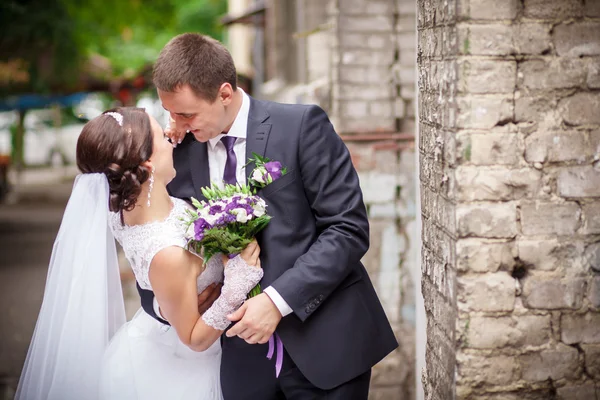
(157, 309)
(279, 302)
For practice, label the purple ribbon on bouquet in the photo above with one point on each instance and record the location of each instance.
(275, 340)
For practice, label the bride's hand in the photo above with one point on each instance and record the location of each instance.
(250, 254)
(173, 133)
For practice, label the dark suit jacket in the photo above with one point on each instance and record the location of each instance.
(311, 249)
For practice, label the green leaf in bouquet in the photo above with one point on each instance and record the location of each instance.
(256, 290)
(192, 214)
(208, 253)
(257, 225)
(206, 192)
(196, 203)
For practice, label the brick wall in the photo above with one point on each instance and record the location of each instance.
(373, 76)
(373, 71)
(510, 142)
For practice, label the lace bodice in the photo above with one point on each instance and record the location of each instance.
(142, 242)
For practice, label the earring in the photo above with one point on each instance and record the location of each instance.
(151, 185)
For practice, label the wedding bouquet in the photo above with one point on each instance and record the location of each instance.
(229, 219)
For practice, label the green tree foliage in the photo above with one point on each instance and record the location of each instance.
(37, 38)
(52, 41)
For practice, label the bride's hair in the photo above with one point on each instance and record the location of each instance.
(116, 143)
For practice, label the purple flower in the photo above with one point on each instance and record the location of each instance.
(246, 207)
(254, 200)
(225, 219)
(273, 170)
(200, 226)
(220, 221)
(215, 209)
(230, 206)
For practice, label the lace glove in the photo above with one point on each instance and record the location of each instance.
(240, 278)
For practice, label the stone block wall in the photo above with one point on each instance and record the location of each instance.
(509, 124)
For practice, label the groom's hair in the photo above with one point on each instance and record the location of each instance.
(196, 60)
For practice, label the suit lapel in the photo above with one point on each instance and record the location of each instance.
(257, 133)
(199, 167)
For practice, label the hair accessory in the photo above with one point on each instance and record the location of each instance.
(118, 117)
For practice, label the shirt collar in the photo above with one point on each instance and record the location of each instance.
(240, 124)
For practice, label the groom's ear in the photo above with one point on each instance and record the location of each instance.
(226, 93)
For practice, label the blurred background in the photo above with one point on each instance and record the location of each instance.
(63, 62)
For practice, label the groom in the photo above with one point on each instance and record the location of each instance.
(318, 300)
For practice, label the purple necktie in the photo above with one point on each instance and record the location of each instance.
(231, 164)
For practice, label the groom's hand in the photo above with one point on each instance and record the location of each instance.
(257, 319)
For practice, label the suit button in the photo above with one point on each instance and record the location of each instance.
(307, 310)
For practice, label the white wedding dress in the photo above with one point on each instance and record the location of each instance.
(82, 347)
(145, 359)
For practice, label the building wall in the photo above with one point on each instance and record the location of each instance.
(373, 68)
(240, 38)
(510, 186)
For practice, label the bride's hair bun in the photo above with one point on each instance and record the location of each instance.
(125, 185)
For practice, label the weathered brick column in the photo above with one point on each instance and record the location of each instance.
(509, 119)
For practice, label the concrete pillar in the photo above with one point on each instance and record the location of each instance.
(510, 193)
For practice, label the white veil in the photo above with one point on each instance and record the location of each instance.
(83, 303)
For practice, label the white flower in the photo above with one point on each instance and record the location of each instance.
(190, 233)
(204, 213)
(258, 174)
(241, 215)
(220, 203)
(211, 219)
(260, 208)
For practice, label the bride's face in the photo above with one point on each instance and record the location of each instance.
(162, 154)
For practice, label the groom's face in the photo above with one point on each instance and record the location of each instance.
(205, 120)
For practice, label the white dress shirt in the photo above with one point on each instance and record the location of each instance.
(217, 157)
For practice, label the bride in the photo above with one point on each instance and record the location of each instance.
(81, 347)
